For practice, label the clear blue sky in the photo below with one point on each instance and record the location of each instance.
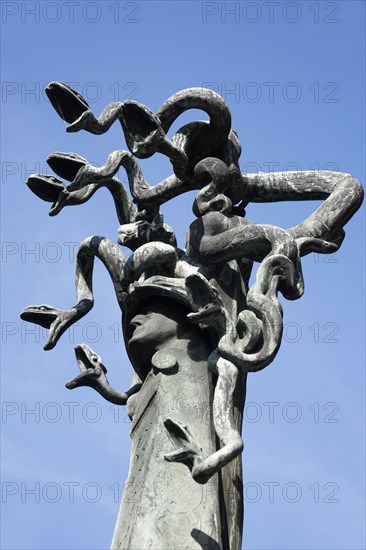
(293, 76)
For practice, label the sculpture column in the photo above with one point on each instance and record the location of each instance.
(162, 506)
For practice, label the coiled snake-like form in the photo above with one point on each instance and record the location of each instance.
(204, 156)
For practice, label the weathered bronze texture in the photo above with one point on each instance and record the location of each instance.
(193, 326)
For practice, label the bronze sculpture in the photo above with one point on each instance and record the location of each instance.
(202, 327)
